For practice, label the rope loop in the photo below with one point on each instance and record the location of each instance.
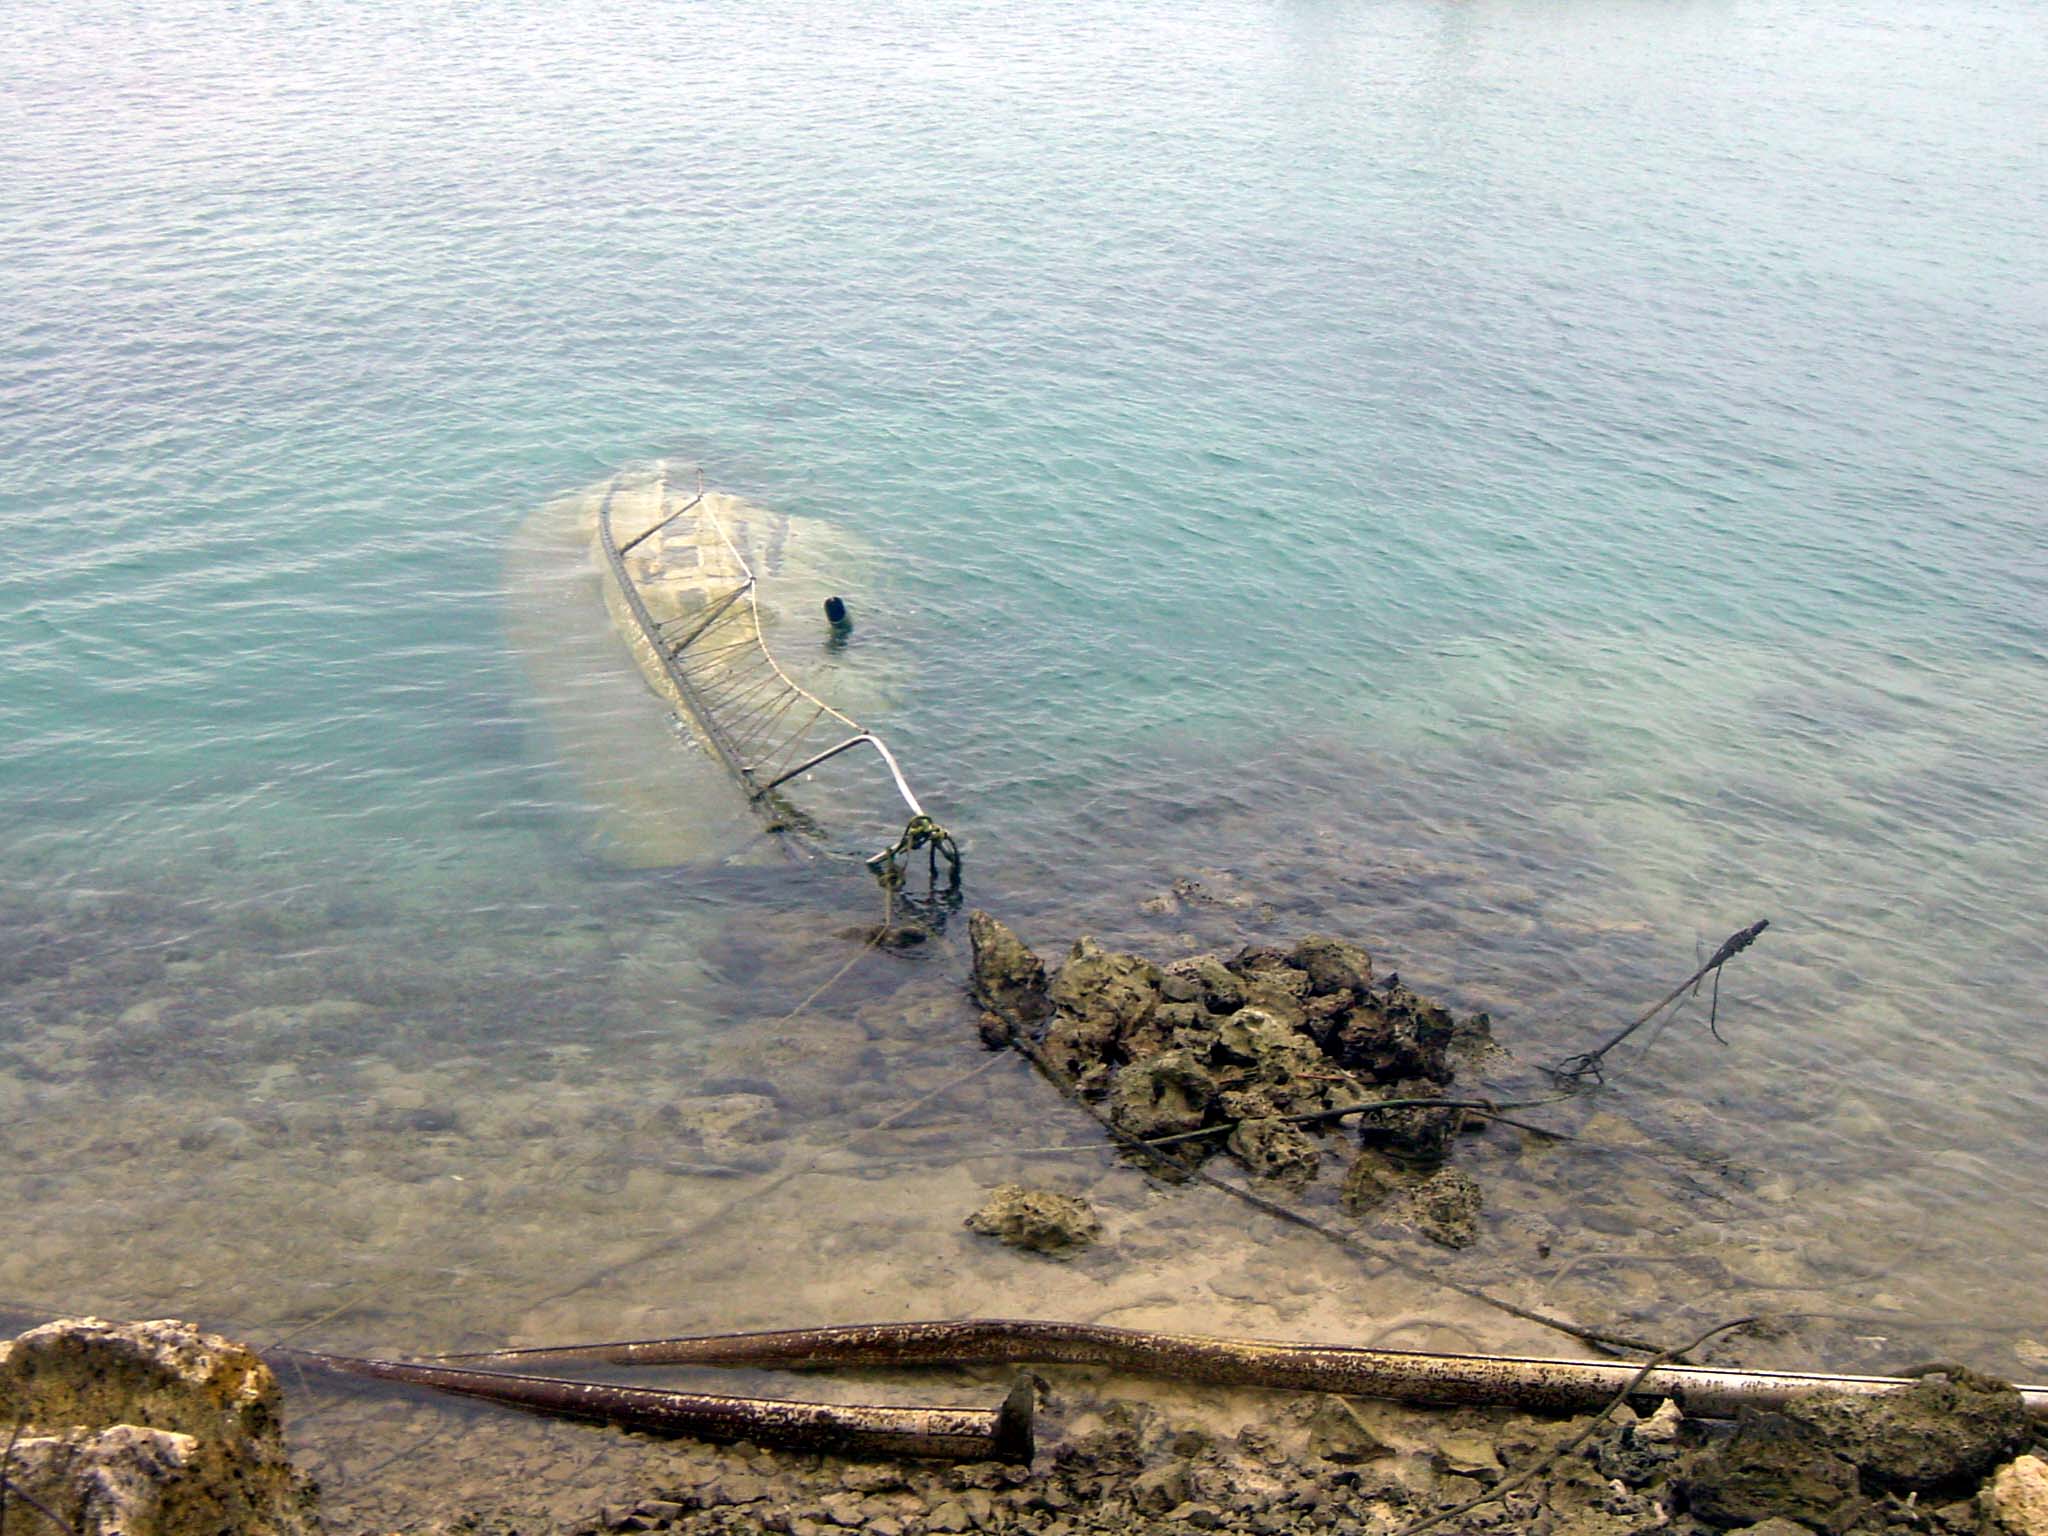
(920, 832)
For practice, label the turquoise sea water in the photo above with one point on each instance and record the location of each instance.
(1538, 486)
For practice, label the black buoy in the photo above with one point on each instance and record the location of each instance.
(842, 625)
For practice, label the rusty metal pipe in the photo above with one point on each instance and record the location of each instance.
(1564, 1386)
(859, 1429)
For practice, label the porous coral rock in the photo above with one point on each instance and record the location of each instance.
(1416, 1137)
(1099, 985)
(1008, 978)
(1037, 1220)
(149, 1429)
(1080, 1047)
(1216, 988)
(1273, 1149)
(1393, 1034)
(1277, 1002)
(1161, 1030)
(1333, 966)
(1772, 1466)
(1161, 1095)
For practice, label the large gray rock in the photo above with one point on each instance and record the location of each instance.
(1773, 1467)
(1009, 979)
(1944, 1431)
(149, 1429)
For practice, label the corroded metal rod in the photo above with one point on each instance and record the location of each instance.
(860, 1429)
(640, 538)
(1566, 1386)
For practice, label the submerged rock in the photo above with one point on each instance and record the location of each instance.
(1417, 1137)
(1008, 978)
(1369, 1182)
(1445, 1208)
(149, 1429)
(1253, 1048)
(1394, 1035)
(1162, 1095)
(1274, 1149)
(1037, 1220)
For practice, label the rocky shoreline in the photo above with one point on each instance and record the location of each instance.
(158, 1429)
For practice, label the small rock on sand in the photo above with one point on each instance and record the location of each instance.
(1037, 1220)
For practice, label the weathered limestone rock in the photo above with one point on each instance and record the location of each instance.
(1165, 1027)
(1333, 966)
(1079, 1047)
(1444, 1206)
(1161, 1095)
(1212, 982)
(1284, 1061)
(1418, 1137)
(1941, 1432)
(1256, 1047)
(1274, 1149)
(1037, 1220)
(2015, 1501)
(1095, 984)
(149, 1429)
(1009, 979)
(1393, 1035)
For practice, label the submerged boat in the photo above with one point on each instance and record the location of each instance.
(721, 606)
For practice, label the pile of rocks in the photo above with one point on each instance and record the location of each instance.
(1248, 1048)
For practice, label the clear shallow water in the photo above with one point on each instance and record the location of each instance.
(1538, 489)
